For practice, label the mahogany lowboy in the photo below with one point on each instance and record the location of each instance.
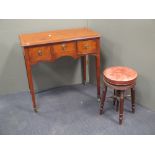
(49, 46)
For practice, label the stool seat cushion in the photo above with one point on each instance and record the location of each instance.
(119, 75)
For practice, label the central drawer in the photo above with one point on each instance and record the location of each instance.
(64, 49)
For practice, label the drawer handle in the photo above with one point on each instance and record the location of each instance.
(40, 53)
(86, 46)
(63, 47)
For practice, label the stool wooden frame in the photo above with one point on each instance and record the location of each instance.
(119, 97)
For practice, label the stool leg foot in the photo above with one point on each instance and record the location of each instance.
(121, 110)
(103, 99)
(133, 99)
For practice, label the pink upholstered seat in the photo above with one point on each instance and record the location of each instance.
(119, 75)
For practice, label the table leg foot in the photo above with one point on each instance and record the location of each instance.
(36, 109)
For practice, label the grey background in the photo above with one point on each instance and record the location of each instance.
(13, 78)
(123, 42)
(130, 43)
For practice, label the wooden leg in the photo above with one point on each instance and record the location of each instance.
(84, 64)
(98, 75)
(103, 99)
(30, 81)
(121, 110)
(133, 99)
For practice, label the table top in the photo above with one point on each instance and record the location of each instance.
(57, 36)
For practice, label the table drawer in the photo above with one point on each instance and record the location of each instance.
(64, 49)
(40, 53)
(86, 46)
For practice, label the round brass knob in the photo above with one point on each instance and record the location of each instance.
(63, 47)
(86, 46)
(40, 53)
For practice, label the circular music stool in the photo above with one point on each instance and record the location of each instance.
(120, 79)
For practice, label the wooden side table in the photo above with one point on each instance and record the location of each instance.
(52, 45)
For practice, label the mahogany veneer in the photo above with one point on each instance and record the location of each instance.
(51, 45)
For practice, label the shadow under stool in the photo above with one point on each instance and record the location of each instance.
(119, 79)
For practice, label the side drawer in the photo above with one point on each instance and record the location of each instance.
(40, 53)
(87, 46)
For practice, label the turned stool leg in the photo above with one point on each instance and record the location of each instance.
(121, 110)
(103, 99)
(133, 99)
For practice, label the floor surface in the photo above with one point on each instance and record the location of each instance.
(70, 110)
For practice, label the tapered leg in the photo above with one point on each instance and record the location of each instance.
(121, 110)
(103, 99)
(98, 75)
(30, 81)
(133, 99)
(84, 64)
